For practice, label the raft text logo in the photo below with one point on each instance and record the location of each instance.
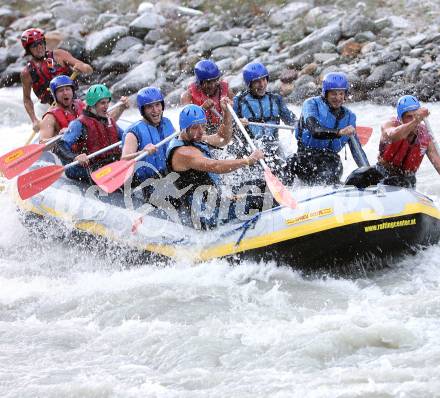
(390, 225)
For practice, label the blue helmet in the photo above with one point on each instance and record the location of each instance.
(334, 81)
(206, 70)
(190, 115)
(405, 104)
(60, 81)
(254, 71)
(149, 95)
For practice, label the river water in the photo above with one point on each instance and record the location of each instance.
(75, 322)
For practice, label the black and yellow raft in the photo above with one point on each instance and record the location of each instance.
(327, 230)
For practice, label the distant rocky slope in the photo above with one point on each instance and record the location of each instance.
(386, 49)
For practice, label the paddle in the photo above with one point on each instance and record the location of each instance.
(35, 181)
(363, 132)
(359, 152)
(16, 161)
(278, 190)
(114, 175)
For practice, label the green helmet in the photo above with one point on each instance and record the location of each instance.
(96, 93)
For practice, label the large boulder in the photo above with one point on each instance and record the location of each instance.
(119, 61)
(211, 40)
(141, 76)
(146, 22)
(313, 42)
(102, 42)
(350, 27)
(381, 74)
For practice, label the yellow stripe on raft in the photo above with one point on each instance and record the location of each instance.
(290, 232)
(309, 228)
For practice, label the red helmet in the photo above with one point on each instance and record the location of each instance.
(30, 36)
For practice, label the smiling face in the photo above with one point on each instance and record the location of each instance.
(153, 112)
(258, 87)
(335, 98)
(64, 96)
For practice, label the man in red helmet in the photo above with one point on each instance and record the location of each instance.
(42, 68)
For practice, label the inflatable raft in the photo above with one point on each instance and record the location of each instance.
(328, 230)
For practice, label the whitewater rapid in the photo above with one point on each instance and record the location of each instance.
(80, 322)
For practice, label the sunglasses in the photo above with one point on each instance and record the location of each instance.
(35, 44)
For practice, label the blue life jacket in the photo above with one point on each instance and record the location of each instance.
(266, 109)
(318, 108)
(192, 177)
(148, 134)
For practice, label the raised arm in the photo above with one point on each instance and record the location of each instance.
(77, 65)
(393, 133)
(116, 112)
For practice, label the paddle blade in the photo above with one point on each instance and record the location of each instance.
(38, 180)
(111, 177)
(364, 134)
(18, 160)
(280, 193)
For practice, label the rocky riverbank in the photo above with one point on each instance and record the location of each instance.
(386, 50)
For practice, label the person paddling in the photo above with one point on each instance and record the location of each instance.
(92, 131)
(190, 156)
(256, 104)
(324, 128)
(42, 67)
(404, 142)
(142, 135)
(207, 91)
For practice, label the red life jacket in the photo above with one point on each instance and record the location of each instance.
(199, 97)
(63, 117)
(42, 74)
(403, 155)
(98, 136)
